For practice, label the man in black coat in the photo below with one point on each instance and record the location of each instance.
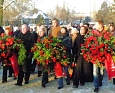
(28, 41)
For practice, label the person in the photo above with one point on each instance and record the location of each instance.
(55, 29)
(83, 71)
(41, 34)
(81, 24)
(31, 30)
(98, 71)
(17, 32)
(67, 42)
(6, 61)
(54, 32)
(28, 41)
(74, 35)
(1, 30)
(37, 27)
(69, 27)
(33, 63)
(112, 29)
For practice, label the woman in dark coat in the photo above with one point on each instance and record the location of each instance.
(83, 72)
(67, 42)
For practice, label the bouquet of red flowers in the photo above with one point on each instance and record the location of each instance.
(48, 50)
(9, 44)
(97, 45)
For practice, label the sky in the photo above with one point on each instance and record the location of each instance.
(82, 6)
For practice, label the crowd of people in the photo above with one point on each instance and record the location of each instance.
(72, 37)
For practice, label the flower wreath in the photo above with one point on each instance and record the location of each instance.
(8, 44)
(49, 50)
(97, 45)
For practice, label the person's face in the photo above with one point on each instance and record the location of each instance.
(63, 31)
(54, 23)
(112, 28)
(74, 34)
(41, 32)
(82, 31)
(24, 29)
(7, 32)
(97, 26)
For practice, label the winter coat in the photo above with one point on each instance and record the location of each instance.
(28, 41)
(67, 42)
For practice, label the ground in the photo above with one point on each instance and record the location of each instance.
(34, 86)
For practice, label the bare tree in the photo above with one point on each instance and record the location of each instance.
(15, 10)
(63, 13)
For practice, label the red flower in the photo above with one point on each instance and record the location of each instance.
(2, 35)
(47, 45)
(82, 45)
(54, 59)
(64, 57)
(101, 45)
(83, 51)
(38, 40)
(3, 54)
(50, 36)
(19, 40)
(51, 41)
(2, 47)
(94, 52)
(7, 44)
(0, 41)
(47, 61)
(64, 48)
(41, 53)
(73, 64)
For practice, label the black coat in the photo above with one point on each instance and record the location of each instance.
(77, 45)
(67, 42)
(84, 69)
(28, 41)
(1, 30)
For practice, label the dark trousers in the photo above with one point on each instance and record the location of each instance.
(4, 76)
(83, 72)
(67, 74)
(114, 81)
(78, 76)
(33, 66)
(79, 72)
(22, 74)
(44, 78)
(5, 69)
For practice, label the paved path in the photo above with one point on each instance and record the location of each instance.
(35, 86)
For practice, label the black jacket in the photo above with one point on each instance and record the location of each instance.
(66, 40)
(28, 40)
(1, 30)
(77, 45)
